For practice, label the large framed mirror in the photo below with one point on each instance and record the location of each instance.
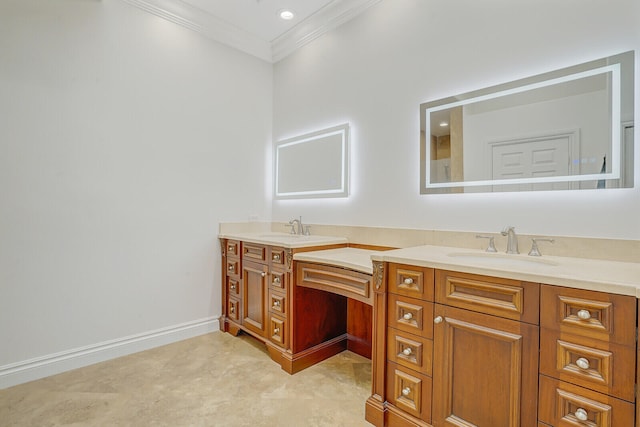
(313, 165)
(563, 130)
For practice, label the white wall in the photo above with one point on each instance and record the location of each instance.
(375, 71)
(124, 140)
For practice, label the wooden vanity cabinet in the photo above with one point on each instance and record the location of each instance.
(488, 351)
(485, 365)
(257, 295)
(587, 358)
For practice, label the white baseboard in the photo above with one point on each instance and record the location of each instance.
(33, 369)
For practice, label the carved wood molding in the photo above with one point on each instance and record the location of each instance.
(378, 273)
(289, 255)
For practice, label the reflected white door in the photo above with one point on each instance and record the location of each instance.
(532, 159)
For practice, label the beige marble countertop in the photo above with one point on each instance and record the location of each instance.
(285, 240)
(599, 275)
(351, 258)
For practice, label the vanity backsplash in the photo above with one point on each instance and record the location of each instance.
(579, 247)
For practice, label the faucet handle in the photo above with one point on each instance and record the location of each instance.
(534, 245)
(492, 246)
(293, 229)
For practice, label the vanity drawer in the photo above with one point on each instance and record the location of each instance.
(254, 252)
(566, 405)
(277, 303)
(233, 310)
(511, 299)
(232, 267)
(278, 280)
(277, 256)
(592, 314)
(277, 332)
(233, 287)
(410, 351)
(411, 281)
(593, 364)
(410, 315)
(409, 391)
(233, 248)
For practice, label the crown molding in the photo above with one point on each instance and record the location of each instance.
(206, 24)
(326, 19)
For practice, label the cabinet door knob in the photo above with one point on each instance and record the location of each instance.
(263, 274)
(584, 314)
(407, 316)
(407, 351)
(232, 309)
(231, 267)
(581, 414)
(276, 303)
(438, 319)
(276, 331)
(276, 257)
(408, 281)
(276, 280)
(406, 391)
(582, 363)
(233, 287)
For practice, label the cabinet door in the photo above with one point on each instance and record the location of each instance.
(254, 302)
(484, 370)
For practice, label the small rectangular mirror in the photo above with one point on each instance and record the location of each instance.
(313, 165)
(567, 129)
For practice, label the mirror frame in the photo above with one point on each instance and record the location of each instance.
(341, 189)
(610, 64)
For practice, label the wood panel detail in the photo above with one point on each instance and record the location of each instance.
(592, 314)
(341, 281)
(411, 315)
(254, 252)
(409, 391)
(598, 365)
(411, 281)
(565, 405)
(511, 299)
(411, 351)
(485, 370)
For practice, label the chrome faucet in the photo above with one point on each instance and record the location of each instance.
(512, 239)
(299, 229)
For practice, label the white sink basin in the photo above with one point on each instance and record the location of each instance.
(500, 260)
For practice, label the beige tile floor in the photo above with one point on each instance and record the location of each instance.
(211, 380)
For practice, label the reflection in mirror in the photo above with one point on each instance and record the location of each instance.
(567, 129)
(313, 165)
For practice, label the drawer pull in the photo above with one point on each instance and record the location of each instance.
(276, 280)
(277, 304)
(232, 309)
(407, 351)
(276, 331)
(408, 316)
(582, 363)
(232, 287)
(263, 274)
(581, 414)
(276, 257)
(230, 248)
(408, 281)
(584, 314)
(406, 391)
(231, 267)
(438, 319)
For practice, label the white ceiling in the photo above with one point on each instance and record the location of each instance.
(253, 26)
(260, 17)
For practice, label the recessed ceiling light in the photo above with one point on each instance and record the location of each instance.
(444, 124)
(286, 14)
